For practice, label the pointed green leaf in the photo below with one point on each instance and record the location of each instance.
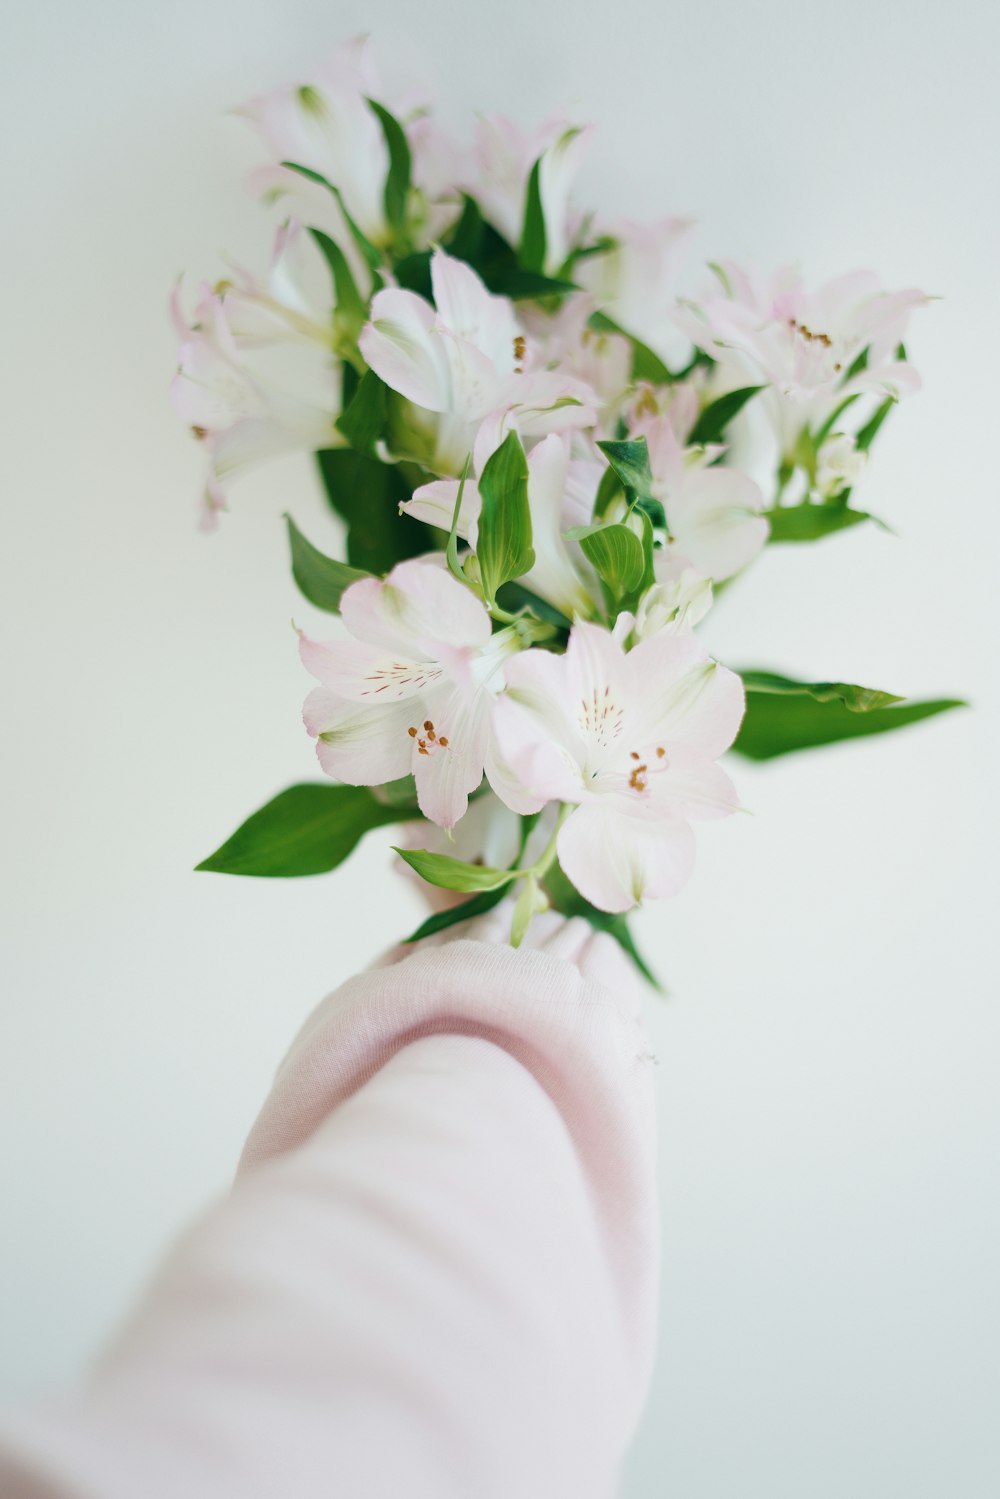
(616, 554)
(869, 431)
(320, 579)
(351, 309)
(397, 183)
(716, 417)
(307, 829)
(367, 494)
(363, 422)
(646, 365)
(784, 715)
(442, 920)
(630, 461)
(533, 238)
(504, 545)
(808, 522)
(368, 251)
(453, 874)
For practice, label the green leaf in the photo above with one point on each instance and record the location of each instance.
(808, 522)
(504, 546)
(869, 431)
(630, 461)
(369, 253)
(567, 899)
(528, 286)
(363, 422)
(464, 241)
(307, 829)
(442, 920)
(454, 874)
(367, 494)
(716, 417)
(320, 579)
(615, 552)
(533, 238)
(351, 309)
(784, 715)
(397, 183)
(646, 365)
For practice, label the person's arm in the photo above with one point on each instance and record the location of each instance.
(435, 1275)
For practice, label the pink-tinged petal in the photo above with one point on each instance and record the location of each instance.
(404, 348)
(476, 387)
(714, 518)
(445, 776)
(417, 610)
(363, 673)
(360, 745)
(595, 664)
(529, 766)
(434, 504)
(616, 859)
(689, 699)
(541, 683)
(472, 313)
(692, 786)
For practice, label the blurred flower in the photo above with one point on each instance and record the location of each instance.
(505, 157)
(635, 281)
(257, 374)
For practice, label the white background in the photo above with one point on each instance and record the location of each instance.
(828, 1058)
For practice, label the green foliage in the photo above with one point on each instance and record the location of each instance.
(454, 874)
(367, 494)
(616, 554)
(442, 920)
(363, 420)
(307, 829)
(320, 579)
(630, 461)
(716, 417)
(784, 715)
(351, 307)
(809, 522)
(397, 182)
(646, 365)
(369, 253)
(504, 546)
(533, 237)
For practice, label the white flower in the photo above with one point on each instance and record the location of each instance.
(505, 158)
(673, 607)
(839, 464)
(257, 374)
(629, 741)
(462, 359)
(713, 515)
(635, 282)
(410, 691)
(804, 344)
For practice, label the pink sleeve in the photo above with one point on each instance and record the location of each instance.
(435, 1275)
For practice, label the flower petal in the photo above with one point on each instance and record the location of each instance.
(445, 777)
(419, 610)
(615, 858)
(360, 745)
(404, 348)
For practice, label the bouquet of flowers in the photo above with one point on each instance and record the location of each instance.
(530, 441)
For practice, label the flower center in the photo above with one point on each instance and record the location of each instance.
(645, 766)
(429, 741)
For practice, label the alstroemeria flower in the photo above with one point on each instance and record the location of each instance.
(630, 740)
(257, 374)
(803, 344)
(564, 340)
(462, 359)
(561, 494)
(505, 158)
(635, 282)
(328, 126)
(713, 514)
(410, 691)
(673, 607)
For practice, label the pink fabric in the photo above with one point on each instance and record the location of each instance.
(435, 1274)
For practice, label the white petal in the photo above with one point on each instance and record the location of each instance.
(473, 313)
(360, 745)
(529, 766)
(404, 348)
(445, 777)
(615, 859)
(715, 519)
(434, 504)
(688, 699)
(364, 673)
(419, 610)
(692, 786)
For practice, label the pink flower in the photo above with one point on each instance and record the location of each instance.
(499, 183)
(629, 740)
(410, 691)
(257, 374)
(462, 359)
